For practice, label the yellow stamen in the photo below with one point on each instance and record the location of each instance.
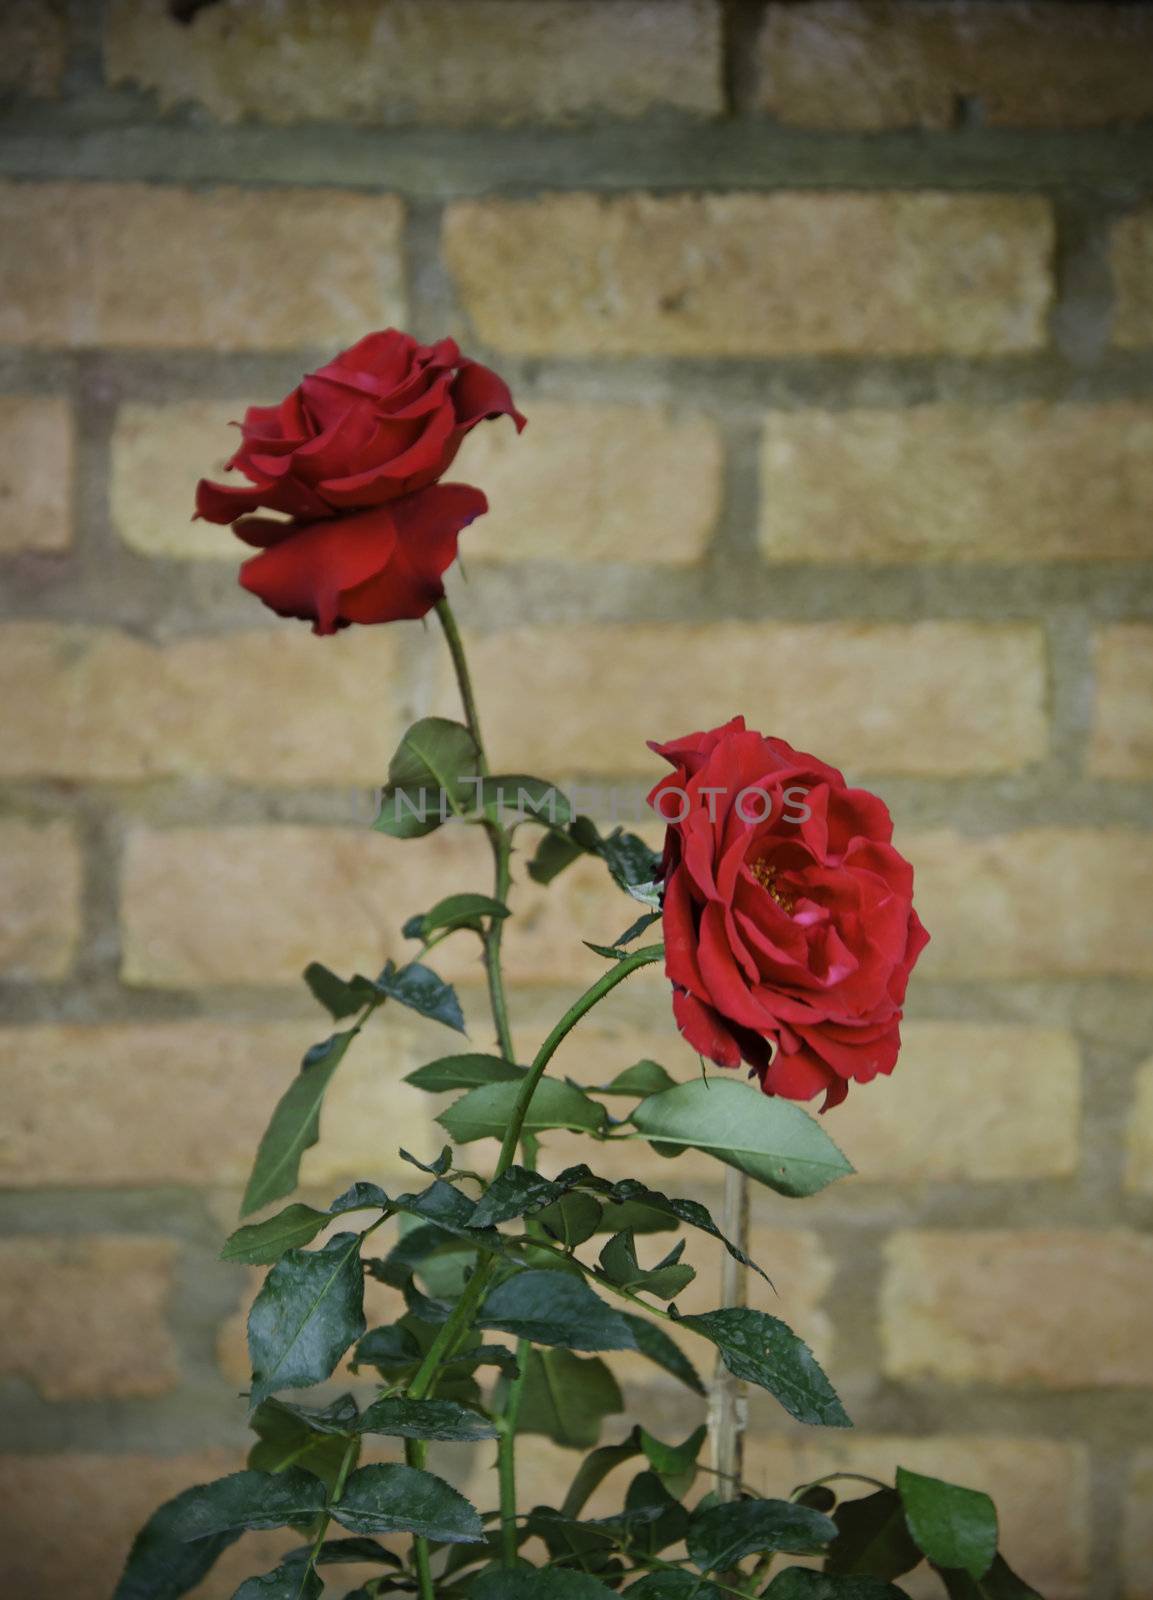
(766, 876)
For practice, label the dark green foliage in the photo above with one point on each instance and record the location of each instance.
(566, 1397)
(954, 1527)
(257, 1500)
(665, 1280)
(395, 1499)
(429, 779)
(552, 1308)
(722, 1535)
(872, 1537)
(291, 1581)
(295, 1125)
(308, 1312)
(463, 1072)
(797, 1583)
(762, 1350)
(455, 911)
(422, 991)
(653, 1342)
(425, 1419)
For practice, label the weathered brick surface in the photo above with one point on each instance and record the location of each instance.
(200, 268)
(35, 472)
(595, 483)
(968, 1101)
(851, 64)
(40, 888)
(936, 697)
(1139, 1133)
(93, 1105)
(86, 1317)
(1137, 1535)
(433, 61)
(1132, 263)
(1041, 1488)
(33, 46)
(102, 704)
(754, 275)
(102, 1500)
(1061, 1309)
(959, 483)
(255, 905)
(1045, 902)
(158, 452)
(1122, 741)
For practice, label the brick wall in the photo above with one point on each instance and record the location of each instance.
(835, 325)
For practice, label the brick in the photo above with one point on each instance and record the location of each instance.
(1122, 741)
(158, 452)
(199, 270)
(92, 1105)
(102, 704)
(35, 473)
(434, 61)
(596, 483)
(33, 47)
(41, 883)
(1041, 1490)
(1137, 1537)
(86, 1317)
(968, 1101)
(1045, 902)
(103, 1500)
(850, 64)
(1139, 1134)
(958, 483)
(255, 905)
(1059, 1310)
(782, 274)
(1131, 254)
(944, 697)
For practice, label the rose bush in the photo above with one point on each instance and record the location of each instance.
(350, 463)
(788, 915)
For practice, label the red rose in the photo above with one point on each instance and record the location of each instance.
(788, 916)
(351, 460)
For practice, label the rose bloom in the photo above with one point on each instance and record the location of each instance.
(351, 462)
(788, 916)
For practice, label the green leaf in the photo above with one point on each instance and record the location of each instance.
(295, 1125)
(161, 1565)
(999, 1583)
(654, 1343)
(421, 990)
(954, 1527)
(595, 1468)
(674, 1464)
(484, 1113)
(530, 799)
(872, 1537)
(635, 929)
(566, 1397)
(402, 1418)
(674, 1586)
(360, 1197)
(572, 1219)
(771, 1139)
(340, 997)
(554, 853)
(524, 1583)
(516, 1193)
(553, 1308)
(261, 1243)
(464, 1072)
(246, 1500)
(308, 1312)
(391, 1350)
(428, 779)
(799, 1583)
(456, 911)
(346, 1552)
(762, 1350)
(395, 1499)
(630, 1191)
(642, 1078)
(290, 1436)
(665, 1281)
(722, 1535)
(291, 1581)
